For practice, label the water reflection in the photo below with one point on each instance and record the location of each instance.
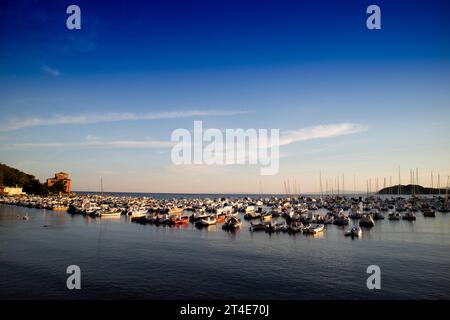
(278, 265)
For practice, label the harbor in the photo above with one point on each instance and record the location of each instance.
(296, 214)
(130, 256)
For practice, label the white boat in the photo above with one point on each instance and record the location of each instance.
(355, 231)
(314, 228)
(109, 213)
(198, 215)
(137, 212)
(206, 221)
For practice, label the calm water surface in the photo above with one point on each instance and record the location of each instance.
(124, 260)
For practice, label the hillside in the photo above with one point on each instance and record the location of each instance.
(12, 177)
(411, 189)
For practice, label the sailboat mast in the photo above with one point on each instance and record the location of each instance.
(446, 195)
(320, 183)
(439, 183)
(432, 182)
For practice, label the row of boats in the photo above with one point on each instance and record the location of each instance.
(298, 214)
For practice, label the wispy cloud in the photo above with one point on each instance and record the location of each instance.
(286, 138)
(50, 71)
(320, 132)
(15, 124)
(93, 143)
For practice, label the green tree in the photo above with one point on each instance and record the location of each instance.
(57, 187)
(35, 187)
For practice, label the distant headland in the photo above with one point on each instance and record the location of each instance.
(411, 189)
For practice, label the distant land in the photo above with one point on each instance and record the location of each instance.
(12, 177)
(411, 189)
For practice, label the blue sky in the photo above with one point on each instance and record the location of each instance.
(137, 71)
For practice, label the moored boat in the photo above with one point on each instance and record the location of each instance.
(232, 223)
(355, 213)
(258, 226)
(208, 221)
(429, 213)
(409, 216)
(109, 213)
(367, 221)
(314, 228)
(341, 221)
(265, 217)
(252, 215)
(394, 216)
(354, 231)
(296, 227)
(178, 219)
(275, 227)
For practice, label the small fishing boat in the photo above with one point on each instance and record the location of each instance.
(328, 219)
(355, 213)
(232, 223)
(163, 218)
(341, 221)
(275, 213)
(295, 227)
(429, 213)
(137, 212)
(252, 215)
(376, 214)
(314, 228)
(154, 219)
(409, 216)
(209, 221)
(355, 231)
(221, 217)
(175, 210)
(109, 213)
(178, 219)
(258, 227)
(367, 221)
(199, 215)
(141, 219)
(91, 211)
(275, 227)
(394, 216)
(265, 217)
